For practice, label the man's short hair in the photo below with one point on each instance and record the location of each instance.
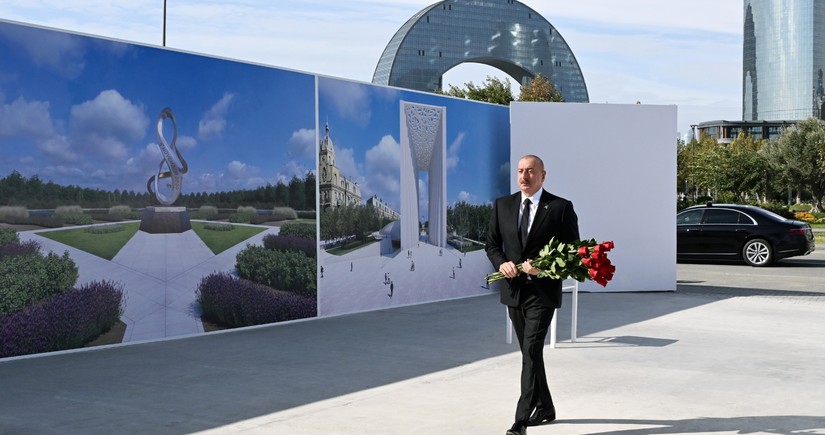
(536, 158)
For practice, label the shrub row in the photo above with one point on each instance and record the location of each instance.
(27, 279)
(105, 229)
(237, 302)
(218, 226)
(283, 270)
(13, 211)
(242, 217)
(116, 217)
(75, 218)
(283, 214)
(298, 229)
(65, 321)
(41, 221)
(120, 209)
(8, 235)
(306, 214)
(291, 243)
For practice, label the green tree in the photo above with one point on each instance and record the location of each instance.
(309, 191)
(540, 89)
(494, 90)
(802, 147)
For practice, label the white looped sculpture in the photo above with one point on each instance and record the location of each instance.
(175, 172)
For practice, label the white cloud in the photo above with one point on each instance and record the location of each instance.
(25, 118)
(467, 197)
(57, 149)
(453, 150)
(288, 170)
(302, 143)
(351, 100)
(213, 123)
(106, 126)
(186, 143)
(381, 175)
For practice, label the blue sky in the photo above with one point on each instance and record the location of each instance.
(83, 111)
(682, 52)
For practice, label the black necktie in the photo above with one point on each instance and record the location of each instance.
(525, 221)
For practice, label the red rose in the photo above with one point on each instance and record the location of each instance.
(594, 273)
(587, 262)
(607, 245)
(584, 251)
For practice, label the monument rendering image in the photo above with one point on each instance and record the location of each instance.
(167, 219)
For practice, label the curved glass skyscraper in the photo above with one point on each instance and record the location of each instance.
(783, 59)
(504, 34)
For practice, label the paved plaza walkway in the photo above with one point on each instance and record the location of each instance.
(159, 273)
(706, 359)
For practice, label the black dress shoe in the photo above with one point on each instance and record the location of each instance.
(517, 429)
(541, 417)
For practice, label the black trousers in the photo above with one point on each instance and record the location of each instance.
(531, 320)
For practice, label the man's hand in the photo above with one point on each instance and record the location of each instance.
(508, 269)
(528, 268)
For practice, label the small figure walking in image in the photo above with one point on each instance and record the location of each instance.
(350, 266)
(412, 266)
(453, 277)
(459, 263)
(322, 271)
(391, 289)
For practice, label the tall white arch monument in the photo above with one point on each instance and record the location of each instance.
(423, 149)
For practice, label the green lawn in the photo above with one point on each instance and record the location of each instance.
(219, 241)
(103, 245)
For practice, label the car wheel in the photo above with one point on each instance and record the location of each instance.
(757, 252)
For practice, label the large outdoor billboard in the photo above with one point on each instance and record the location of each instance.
(148, 193)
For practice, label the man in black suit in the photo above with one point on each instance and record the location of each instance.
(518, 230)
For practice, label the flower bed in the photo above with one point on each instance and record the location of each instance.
(65, 321)
(238, 302)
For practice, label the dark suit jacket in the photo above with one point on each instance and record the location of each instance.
(555, 217)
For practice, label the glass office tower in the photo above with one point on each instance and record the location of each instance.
(783, 59)
(505, 34)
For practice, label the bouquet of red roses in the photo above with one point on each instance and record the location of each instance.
(580, 260)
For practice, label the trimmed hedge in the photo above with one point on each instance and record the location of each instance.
(291, 243)
(307, 214)
(8, 235)
(298, 229)
(41, 221)
(66, 321)
(105, 229)
(242, 217)
(283, 214)
(75, 218)
(283, 270)
(237, 302)
(218, 226)
(28, 279)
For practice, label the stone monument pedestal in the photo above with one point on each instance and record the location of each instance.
(163, 220)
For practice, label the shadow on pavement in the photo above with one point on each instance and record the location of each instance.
(774, 424)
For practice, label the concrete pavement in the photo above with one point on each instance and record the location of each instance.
(713, 357)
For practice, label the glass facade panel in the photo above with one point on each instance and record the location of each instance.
(783, 59)
(504, 34)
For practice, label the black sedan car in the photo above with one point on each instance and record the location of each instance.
(734, 232)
